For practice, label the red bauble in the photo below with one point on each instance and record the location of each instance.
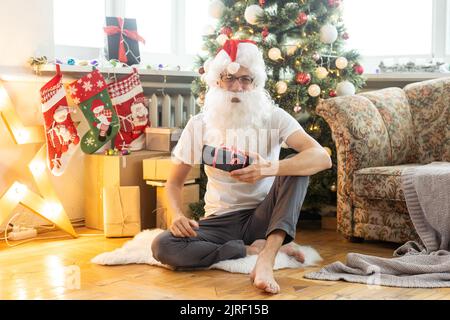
(332, 93)
(334, 3)
(201, 70)
(303, 78)
(358, 69)
(226, 31)
(302, 18)
(265, 32)
(345, 36)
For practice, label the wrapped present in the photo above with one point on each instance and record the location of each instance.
(161, 138)
(105, 171)
(159, 168)
(123, 40)
(189, 194)
(122, 211)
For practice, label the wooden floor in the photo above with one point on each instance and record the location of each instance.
(45, 269)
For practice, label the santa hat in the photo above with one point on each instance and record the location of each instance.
(234, 54)
(96, 103)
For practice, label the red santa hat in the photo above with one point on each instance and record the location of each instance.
(234, 54)
(96, 103)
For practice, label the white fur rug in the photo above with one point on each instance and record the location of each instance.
(138, 250)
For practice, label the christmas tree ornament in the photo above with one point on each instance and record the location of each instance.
(60, 132)
(91, 95)
(221, 39)
(334, 3)
(302, 18)
(358, 69)
(328, 34)
(303, 78)
(297, 108)
(321, 73)
(281, 87)
(127, 97)
(345, 88)
(216, 8)
(274, 54)
(316, 56)
(226, 31)
(345, 36)
(253, 13)
(332, 93)
(314, 90)
(341, 63)
(264, 32)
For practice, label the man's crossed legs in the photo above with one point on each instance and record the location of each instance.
(265, 230)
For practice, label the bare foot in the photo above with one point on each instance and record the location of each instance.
(255, 247)
(262, 276)
(291, 250)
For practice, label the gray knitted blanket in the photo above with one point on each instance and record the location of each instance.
(423, 264)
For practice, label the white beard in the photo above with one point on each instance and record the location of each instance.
(225, 121)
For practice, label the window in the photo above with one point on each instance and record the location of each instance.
(389, 28)
(154, 23)
(197, 20)
(79, 23)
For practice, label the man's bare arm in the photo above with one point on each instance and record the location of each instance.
(181, 226)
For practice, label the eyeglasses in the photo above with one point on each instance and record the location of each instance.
(229, 79)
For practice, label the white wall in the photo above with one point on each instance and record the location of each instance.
(26, 30)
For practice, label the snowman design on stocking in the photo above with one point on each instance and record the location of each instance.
(102, 119)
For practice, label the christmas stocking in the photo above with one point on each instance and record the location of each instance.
(60, 132)
(128, 99)
(91, 94)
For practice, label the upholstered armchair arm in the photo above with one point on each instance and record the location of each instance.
(361, 140)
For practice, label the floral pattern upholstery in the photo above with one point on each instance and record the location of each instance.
(378, 134)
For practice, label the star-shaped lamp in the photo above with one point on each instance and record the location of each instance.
(47, 204)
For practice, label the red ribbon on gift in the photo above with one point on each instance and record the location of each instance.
(110, 30)
(234, 151)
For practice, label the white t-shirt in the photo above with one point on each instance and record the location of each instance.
(224, 193)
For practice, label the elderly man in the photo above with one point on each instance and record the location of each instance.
(252, 210)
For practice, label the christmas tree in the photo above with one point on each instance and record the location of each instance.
(303, 47)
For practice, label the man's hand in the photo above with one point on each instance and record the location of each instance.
(260, 168)
(183, 227)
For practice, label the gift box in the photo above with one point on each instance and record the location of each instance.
(102, 172)
(189, 194)
(122, 211)
(162, 138)
(159, 168)
(123, 40)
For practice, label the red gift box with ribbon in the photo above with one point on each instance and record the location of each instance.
(123, 40)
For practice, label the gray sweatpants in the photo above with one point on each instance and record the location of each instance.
(224, 236)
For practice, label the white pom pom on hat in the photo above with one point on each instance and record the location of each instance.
(234, 54)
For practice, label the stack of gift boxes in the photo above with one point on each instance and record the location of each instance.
(126, 193)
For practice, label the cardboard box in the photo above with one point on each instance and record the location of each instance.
(162, 138)
(159, 169)
(190, 194)
(115, 171)
(122, 211)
